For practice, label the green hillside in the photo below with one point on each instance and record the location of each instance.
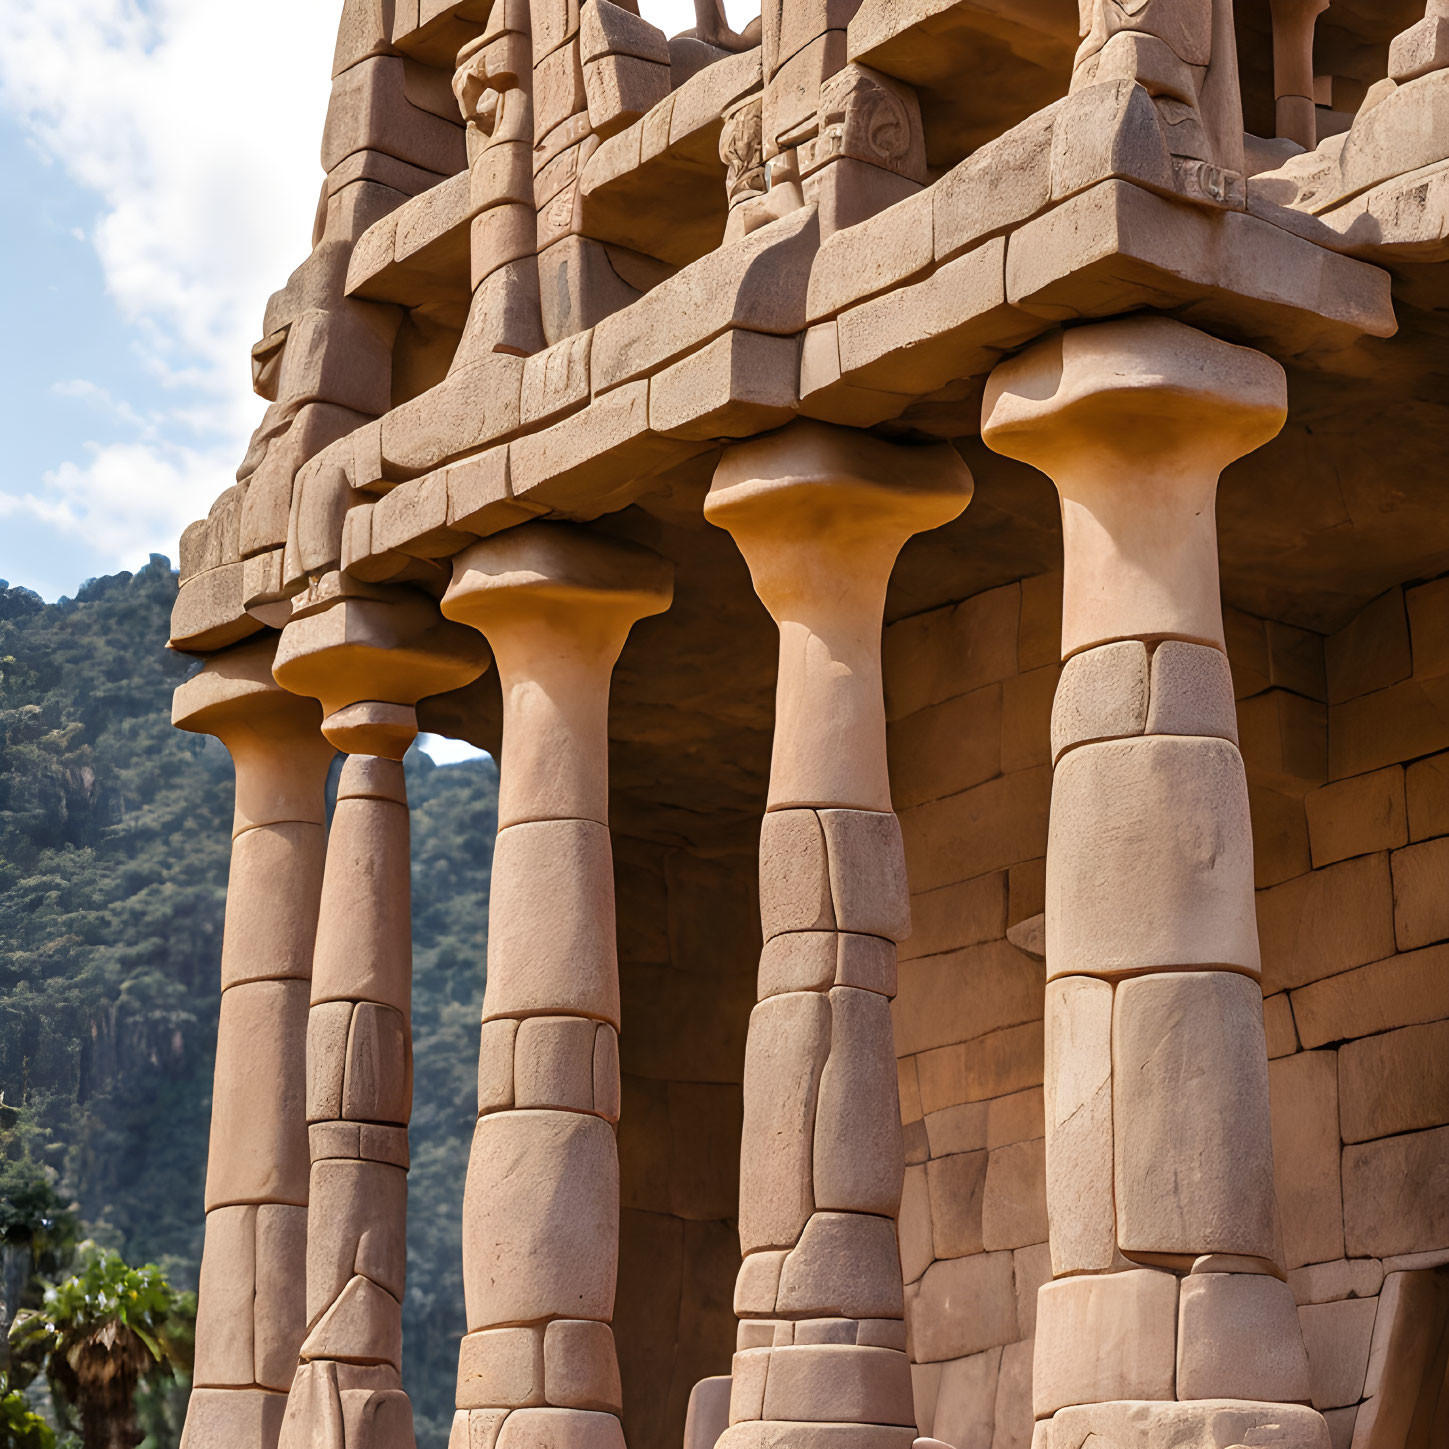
(114, 840)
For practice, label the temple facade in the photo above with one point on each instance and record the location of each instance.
(938, 508)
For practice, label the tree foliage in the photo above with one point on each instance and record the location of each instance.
(114, 846)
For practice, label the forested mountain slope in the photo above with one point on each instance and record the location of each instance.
(114, 842)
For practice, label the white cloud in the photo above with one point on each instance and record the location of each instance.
(196, 125)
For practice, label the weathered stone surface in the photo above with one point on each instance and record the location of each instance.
(1192, 692)
(1079, 1156)
(1401, 991)
(1014, 1204)
(1202, 1425)
(1102, 1338)
(1395, 1082)
(956, 1186)
(1304, 1096)
(1167, 879)
(1238, 1338)
(1188, 1049)
(1337, 1337)
(794, 874)
(1102, 695)
(785, 1056)
(839, 1382)
(540, 1233)
(846, 1265)
(1396, 1194)
(1358, 816)
(1421, 915)
(962, 1306)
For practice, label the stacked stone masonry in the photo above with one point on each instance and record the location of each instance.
(958, 973)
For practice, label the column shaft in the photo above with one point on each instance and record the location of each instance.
(369, 657)
(1168, 1281)
(541, 1206)
(251, 1313)
(820, 515)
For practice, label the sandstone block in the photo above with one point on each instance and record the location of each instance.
(739, 384)
(758, 1284)
(280, 1311)
(220, 1418)
(1014, 1205)
(846, 1265)
(1421, 907)
(1102, 695)
(1332, 1282)
(1284, 740)
(545, 1428)
(553, 1063)
(1032, 1267)
(273, 888)
(867, 963)
(962, 1306)
(1396, 1194)
(757, 1435)
(785, 1056)
(966, 1400)
(356, 1222)
(1399, 723)
(798, 961)
(867, 869)
(1206, 1424)
(1013, 1424)
(540, 1218)
(1192, 692)
(1078, 1092)
(946, 747)
(363, 1325)
(1328, 921)
(1016, 1118)
(1105, 1338)
(1396, 1082)
(707, 1416)
(956, 1187)
(1337, 1337)
(1403, 990)
(1370, 652)
(378, 1085)
(1026, 706)
(258, 1149)
(1188, 1048)
(225, 1352)
(990, 1066)
(913, 1224)
(1168, 877)
(551, 922)
(955, 916)
(580, 1366)
(495, 1065)
(840, 1383)
(1278, 1028)
(1357, 816)
(996, 824)
(1304, 1101)
(1238, 1338)
(748, 1370)
(1427, 788)
(500, 1368)
(998, 186)
(794, 874)
(1280, 836)
(606, 1073)
(965, 994)
(947, 652)
(857, 1140)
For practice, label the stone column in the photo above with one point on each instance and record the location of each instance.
(1168, 1295)
(368, 655)
(250, 1312)
(1294, 22)
(541, 1207)
(820, 514)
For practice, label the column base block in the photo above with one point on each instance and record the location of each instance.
(780, 1434)
(1200, 1424)
(233, 1419)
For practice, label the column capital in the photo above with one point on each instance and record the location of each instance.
(820, 514)
(369, 654)
(1134, 420)
(274, 737)
(556, 602)
(815, 505)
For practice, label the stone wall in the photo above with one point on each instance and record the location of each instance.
(1346, 741)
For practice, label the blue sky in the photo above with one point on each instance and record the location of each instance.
(160, 163)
